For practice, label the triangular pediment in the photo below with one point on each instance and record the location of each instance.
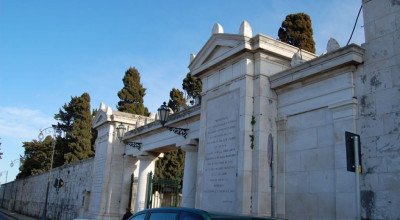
(218, 51)
(99, 119)
(218, 47)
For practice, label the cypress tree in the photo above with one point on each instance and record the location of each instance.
(79, 146)
(176, 99)
(296, 30)
(192, 86)
(171, 166)
(131, 95)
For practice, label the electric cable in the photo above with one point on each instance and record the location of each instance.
(355, 24)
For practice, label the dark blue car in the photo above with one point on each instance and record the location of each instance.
(188, 214)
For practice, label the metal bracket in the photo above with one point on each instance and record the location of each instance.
(137, 145)
(178, 131)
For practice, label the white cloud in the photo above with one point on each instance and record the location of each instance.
(22, 123)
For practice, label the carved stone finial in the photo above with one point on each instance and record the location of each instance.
(102, 107)
(245, 29)
(296, 60)
(217, 29)
(192, 56)
(332, 45)
(152, 115)
(109, 111)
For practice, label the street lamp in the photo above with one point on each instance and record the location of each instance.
(163, 112)
(120, 134)
(56, 133)
(12, 162)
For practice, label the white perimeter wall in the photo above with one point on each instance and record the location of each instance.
(69, 203)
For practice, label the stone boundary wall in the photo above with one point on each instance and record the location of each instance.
(27, 196)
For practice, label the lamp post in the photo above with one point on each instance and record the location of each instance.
(120, 134)
(56, 133)
(163, 112)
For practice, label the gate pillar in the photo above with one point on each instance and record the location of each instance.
(146, 165)
(189, 176)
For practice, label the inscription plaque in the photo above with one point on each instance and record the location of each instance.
(221, 149)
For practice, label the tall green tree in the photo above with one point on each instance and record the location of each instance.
(297, 30)
(37, 157)
(93, 131)
(192, 86)
(176, 99)
(171, 166)
(131, 95)
(76, 122)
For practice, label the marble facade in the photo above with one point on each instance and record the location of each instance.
(255, 87)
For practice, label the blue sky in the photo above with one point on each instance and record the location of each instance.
(52, 50)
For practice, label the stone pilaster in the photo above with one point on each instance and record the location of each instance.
(189, 176)
(344, 119)
(146, 165)
(131, 165)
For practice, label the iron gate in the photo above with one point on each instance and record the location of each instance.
(162, 192)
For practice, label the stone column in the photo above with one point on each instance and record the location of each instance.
(189, 176)
(146, 165)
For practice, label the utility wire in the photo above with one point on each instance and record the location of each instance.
(355, 24)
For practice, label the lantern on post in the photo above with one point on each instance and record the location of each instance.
(163, 112)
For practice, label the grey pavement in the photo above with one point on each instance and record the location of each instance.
(8, 214)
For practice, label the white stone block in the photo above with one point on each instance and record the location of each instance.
(301, 210)
(318, 159)
(325, 136)
(225, 74)
(388, 145)
(297, 182)
(345, 206)
(301, 140)
(213, 81)
(238, 68)
(380, 49)
(387, 101)
(322, 181)
(371, 126)
(326, 206)
(293, 161)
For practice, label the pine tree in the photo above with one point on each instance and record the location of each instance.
(37, 157)
(296, 30)
(176, 99)
(131, 95)
(76, 122)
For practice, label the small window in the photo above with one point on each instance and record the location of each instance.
(189, 216)
(163, 216)
(139, 217)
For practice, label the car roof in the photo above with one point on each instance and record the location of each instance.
(212, 215)
(175, 209)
